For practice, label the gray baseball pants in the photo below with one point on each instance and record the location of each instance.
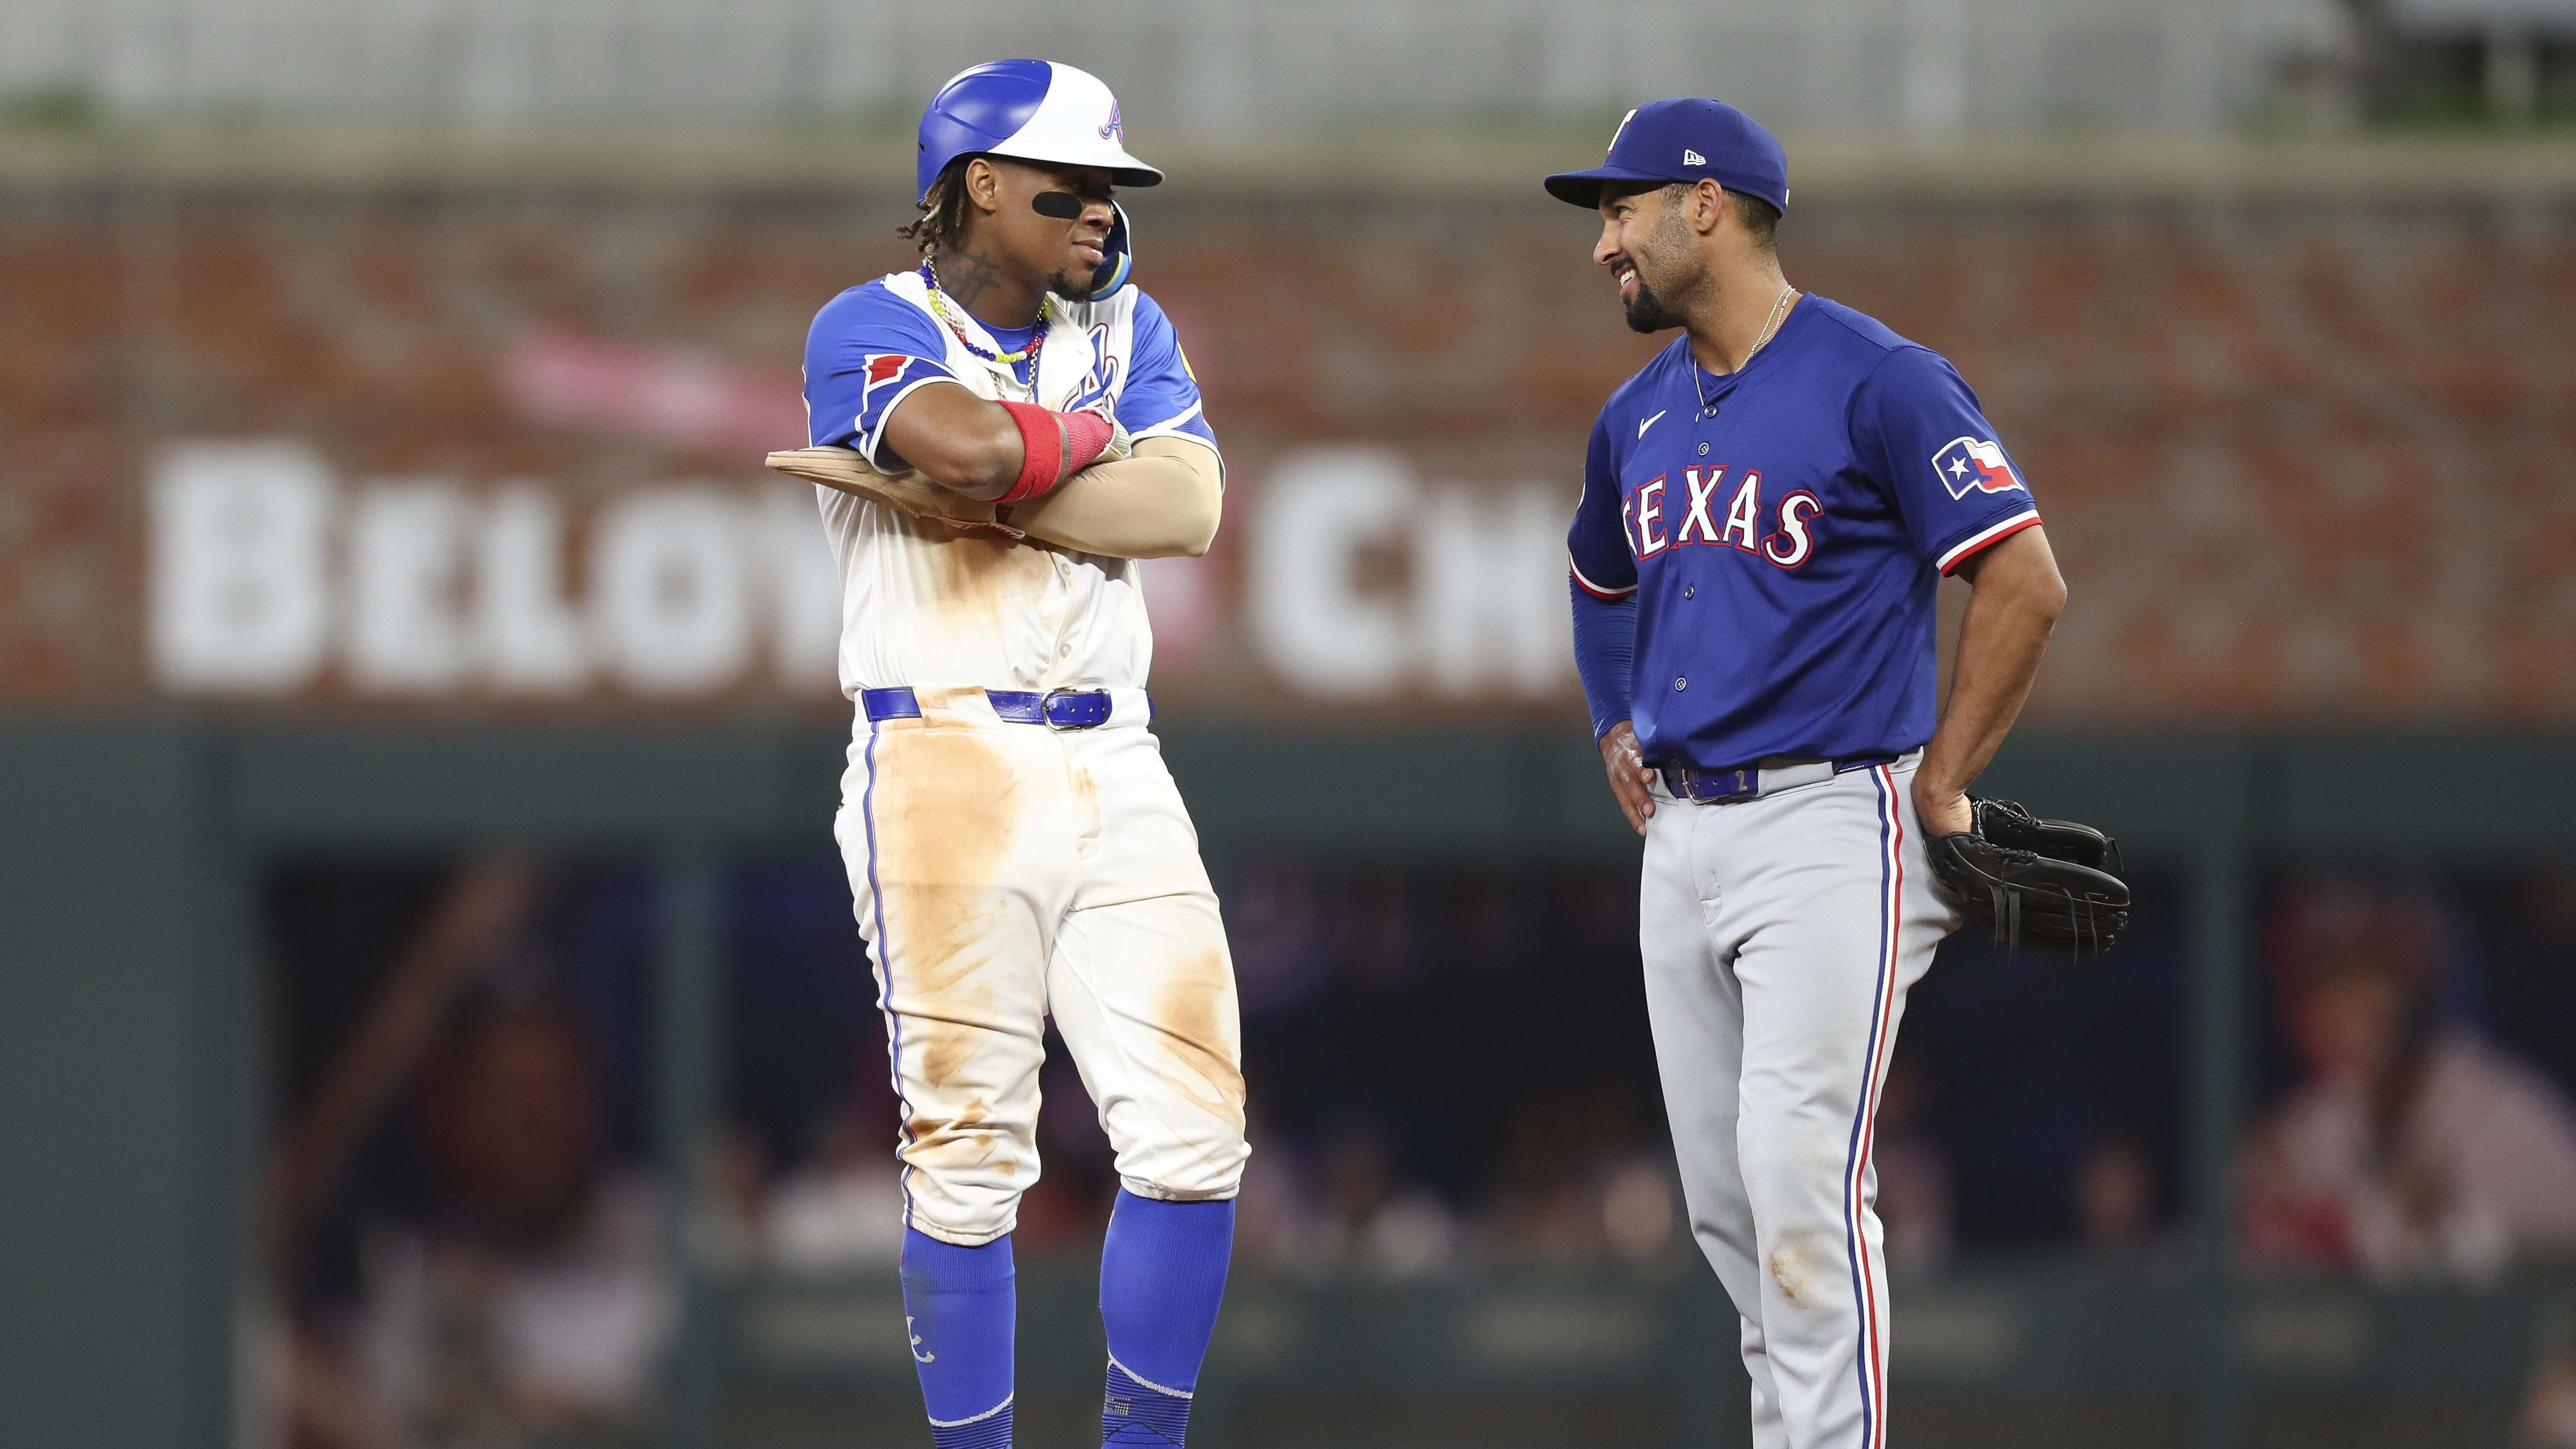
(1780, 936)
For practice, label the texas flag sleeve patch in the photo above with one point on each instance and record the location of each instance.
(1967, 465)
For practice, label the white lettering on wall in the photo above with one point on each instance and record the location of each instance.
(806, 587)
(528, 636)
(238, 596)
(262, 577)
(1361, 582)
(667, 590)
(1476, 603)
(1491, 599)
(1323, 630)
(406, 557)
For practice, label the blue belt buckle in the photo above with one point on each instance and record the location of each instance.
(1708, 787)
(1074, 709)
(1736, 784)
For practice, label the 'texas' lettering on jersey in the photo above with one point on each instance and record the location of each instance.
(1706, 507)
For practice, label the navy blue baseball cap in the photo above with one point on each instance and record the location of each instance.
(1687, 140)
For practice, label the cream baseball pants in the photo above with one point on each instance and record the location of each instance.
(1008, 872)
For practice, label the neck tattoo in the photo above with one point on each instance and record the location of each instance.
(971, 275)
(981, 282)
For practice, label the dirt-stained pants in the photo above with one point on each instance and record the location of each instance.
(1007, 871)
(1780, 935)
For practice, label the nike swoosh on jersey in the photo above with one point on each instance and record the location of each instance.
(1648, 423)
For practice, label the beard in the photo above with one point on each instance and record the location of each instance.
(1671, 243)
(1073, 280)
(1646, 311)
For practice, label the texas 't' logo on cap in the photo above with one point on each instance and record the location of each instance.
(1623, 130)
(1974, 463)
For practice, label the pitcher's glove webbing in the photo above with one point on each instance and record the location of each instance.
(2051, 884)
(908, 493)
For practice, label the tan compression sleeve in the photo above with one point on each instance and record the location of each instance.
(1163, 502)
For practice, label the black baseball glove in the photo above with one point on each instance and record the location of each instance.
(2051, 884)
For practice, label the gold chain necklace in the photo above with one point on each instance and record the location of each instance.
(1770, 325)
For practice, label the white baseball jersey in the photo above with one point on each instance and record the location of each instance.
(1003, 873)
(923, 607)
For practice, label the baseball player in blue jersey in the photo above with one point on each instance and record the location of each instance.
(998, 434)
(1767, 508)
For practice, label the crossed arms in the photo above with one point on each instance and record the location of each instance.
(1162, 502)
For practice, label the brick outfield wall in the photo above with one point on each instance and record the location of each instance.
(2311, 462)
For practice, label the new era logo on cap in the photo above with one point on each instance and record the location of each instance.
(1687, 139)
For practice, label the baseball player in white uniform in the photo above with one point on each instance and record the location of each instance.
(1015, 845)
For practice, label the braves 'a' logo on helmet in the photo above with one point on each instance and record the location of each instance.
(1966, 463)
(1110, 130)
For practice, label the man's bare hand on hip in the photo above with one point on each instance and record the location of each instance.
(1630, 779)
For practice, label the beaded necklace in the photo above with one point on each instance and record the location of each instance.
(1028, 354)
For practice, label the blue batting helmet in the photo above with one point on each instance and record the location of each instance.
(1035, 110)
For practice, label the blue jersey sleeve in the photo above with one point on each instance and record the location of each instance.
(1605, 654)
(1597, 545)
(1604, 587)
(1917, 425)
(868, 350)
(1161, 398)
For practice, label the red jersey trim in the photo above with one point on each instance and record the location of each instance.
(1595, 590)
(1986, 538)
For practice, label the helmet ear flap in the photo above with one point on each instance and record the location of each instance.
(1118, 262)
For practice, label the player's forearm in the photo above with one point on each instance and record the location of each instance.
(1605, 646)
(2016, 599)
(956, 440)
(1164, 502)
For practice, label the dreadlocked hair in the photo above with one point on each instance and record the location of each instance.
(942, 223)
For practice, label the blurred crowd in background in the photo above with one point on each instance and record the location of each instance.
(1449, 1074)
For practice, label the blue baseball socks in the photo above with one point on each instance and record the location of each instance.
(959, 1305)
(1162, 1275)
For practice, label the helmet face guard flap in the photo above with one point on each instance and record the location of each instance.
(1118, 259)
(1035, 110)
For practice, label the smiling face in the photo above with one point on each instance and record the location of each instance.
(1059, 253)
(1651, 252)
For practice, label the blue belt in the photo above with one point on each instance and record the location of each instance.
(1744, 782)
(1057, 709)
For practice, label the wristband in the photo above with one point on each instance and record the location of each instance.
(1054, 446)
